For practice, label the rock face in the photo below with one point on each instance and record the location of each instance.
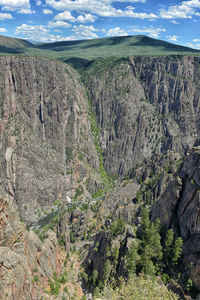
(144, 106)
(23, 256)
(179, 206)
(53, 148)
(45, 137)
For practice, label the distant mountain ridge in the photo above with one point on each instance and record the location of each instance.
(91, 49)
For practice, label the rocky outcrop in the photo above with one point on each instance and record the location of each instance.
(26, 263)
(178, 208)
(144, 106)
(31, 268)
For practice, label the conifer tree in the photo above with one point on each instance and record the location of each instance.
(145, 225)
(155, 241)
(177, 250)
(146, 263)
(132, 258)
(107, 270)
(94, 276)
(168, 244)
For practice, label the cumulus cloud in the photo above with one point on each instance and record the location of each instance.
(86, 18)
(14, 5)
(196, 40)
(116, 32)
(195, 46)
(102, 8)
(26, 11)
(84, 32)
(3, 29)
(172, 38)
(47, 12)
(185, 10)
(151, 31)
(41, 33)
(65, 16)
(38, 33)
(5, 16)
(57, 24)
(38, 2)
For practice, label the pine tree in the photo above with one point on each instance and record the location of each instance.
(132, 258)
(107, 270)
(168, 244)
(155, 241)
(94, 276)
(146, 264)
(145, 225)
(177, 250)
(115, 254)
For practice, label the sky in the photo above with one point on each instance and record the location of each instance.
(59, 20)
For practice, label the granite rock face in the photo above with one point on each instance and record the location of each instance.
(147, 111)
(45, 137)
(23, 256)
(145, 106)
(179, 208)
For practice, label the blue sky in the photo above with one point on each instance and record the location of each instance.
(58, 20)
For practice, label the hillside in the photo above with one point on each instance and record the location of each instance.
(115, 46)
(16, 46)
(80, 53)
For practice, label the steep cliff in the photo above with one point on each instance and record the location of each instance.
(144, 106)
(178, 208)
(46, 145)
(30, 268)
(136, 118)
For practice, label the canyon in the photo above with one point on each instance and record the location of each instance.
(79, 150)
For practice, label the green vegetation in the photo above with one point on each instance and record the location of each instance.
(56, 282)
(69, 154)
(96, 134)
(79, 191)
(81, 53)
(49, 222)
(153, 252)
(117, 227)
(94, 277)
(141, 287)
(116, 46)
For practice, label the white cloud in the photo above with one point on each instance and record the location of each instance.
(47, 12)
(174, 22)
(65, 16)
(5, 16)
(194, 46)
(84, 32)
(86, 18)
(41, 33)
(26, 11)
(116, 32)
(59, 24)
(14, 4)
(172, 38)
(38, 2)
(185, 10)
(151, 31)
(102, 8)
(38, 33)
(3, 29)
(196, 40)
